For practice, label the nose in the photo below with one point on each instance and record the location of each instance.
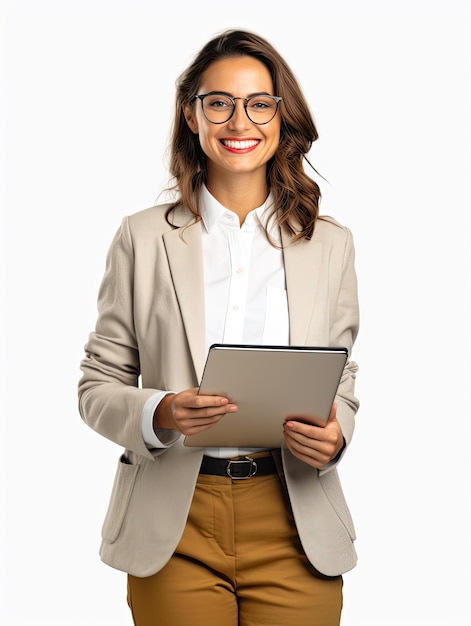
(239, 119)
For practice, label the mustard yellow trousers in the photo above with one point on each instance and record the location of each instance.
(238, 563)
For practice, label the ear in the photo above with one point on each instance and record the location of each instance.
(189, 113)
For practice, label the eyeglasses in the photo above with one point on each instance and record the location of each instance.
(219, 107)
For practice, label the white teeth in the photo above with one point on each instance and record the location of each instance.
(240, 145)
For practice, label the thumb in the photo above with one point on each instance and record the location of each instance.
(333, 414)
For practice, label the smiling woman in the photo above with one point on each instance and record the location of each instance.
(295, 195)
(236, 144)
(243, 257)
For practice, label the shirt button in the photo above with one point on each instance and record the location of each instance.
(239, 270)
(235, 307)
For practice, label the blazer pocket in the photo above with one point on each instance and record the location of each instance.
(120, 495)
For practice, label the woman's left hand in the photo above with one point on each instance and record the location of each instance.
(315, 445)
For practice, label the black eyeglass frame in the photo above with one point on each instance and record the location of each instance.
(233, 99)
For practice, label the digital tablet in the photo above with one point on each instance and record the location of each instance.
(268, 383)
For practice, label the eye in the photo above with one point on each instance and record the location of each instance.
(261, 103)
(217, 102)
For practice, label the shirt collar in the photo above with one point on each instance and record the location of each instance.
(212, 211)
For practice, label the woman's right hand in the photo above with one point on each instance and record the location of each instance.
(190, 413)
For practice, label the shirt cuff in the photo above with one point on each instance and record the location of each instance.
(162, 438)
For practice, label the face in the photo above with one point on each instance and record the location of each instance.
(237, 146)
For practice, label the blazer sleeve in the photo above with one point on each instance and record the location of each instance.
(344, 326)
(110, 400)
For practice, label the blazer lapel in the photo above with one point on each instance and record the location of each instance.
(184, 251)
(303, 263)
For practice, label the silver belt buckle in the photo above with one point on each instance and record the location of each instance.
(238, 463)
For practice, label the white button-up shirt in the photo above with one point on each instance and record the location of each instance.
(245, 293)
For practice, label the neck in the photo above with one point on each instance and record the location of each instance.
(239, 194)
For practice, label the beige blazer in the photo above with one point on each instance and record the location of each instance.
(150, 336)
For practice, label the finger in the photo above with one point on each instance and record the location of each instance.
(303, 449)
(211, 401)
(306, 445)
(191, 400)
(305, 430)
(313, 457)
(333, 413)
(203, 413)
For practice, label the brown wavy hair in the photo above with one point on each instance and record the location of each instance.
(296, 195)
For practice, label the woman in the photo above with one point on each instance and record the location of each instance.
(241, 257)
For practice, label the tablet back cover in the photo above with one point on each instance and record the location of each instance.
(267, 383)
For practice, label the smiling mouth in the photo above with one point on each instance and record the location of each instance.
(240, 145)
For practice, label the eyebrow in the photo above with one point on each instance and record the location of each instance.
(227, 93)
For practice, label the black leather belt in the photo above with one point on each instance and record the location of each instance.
(240, 468)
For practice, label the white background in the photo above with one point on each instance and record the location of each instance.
(86, 111)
